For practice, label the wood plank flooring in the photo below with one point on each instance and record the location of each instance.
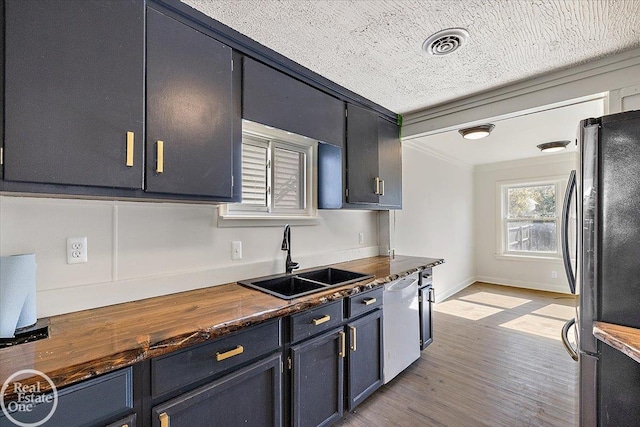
(496, 360)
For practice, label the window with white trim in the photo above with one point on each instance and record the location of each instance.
(276, 174)
(530, 219)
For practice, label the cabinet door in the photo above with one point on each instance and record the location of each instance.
(362, 155)
(251, 396)
(426, 326)
(390, 163)
(318, 377)
(74, 80)
(276, 99)
(365, 358)
(189, 110)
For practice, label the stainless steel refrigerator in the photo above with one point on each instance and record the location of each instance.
(606, 190)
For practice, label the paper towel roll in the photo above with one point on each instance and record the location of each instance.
(17, 293)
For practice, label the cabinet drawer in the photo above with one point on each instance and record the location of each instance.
(314, 321)
(91, 402)
(129, 421)
(364, 302)
(176, 370)
(250, 396)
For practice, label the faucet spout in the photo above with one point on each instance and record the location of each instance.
(286, 246)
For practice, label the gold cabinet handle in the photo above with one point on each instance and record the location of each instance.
(321, 320)
(164, 419)
(160, 157)
(377, 180)
(227, 354)
(382, 187)
(369, 301)
(130, 144)
(353, 338)
(342, 344)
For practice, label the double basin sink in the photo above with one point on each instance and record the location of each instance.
(290, 286)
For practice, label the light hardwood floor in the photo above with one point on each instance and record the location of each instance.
(496, 360)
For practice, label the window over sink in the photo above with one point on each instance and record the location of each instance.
(278, 178)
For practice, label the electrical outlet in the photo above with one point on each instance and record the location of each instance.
(554, 274)
(76, 250)
(236, 250)
(360, 238)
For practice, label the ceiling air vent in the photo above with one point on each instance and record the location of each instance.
(446, 41)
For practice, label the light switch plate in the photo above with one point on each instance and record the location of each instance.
(76, 250)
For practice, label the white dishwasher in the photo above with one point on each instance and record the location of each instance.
(401, 325)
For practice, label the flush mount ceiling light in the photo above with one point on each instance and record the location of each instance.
(552, 147)
(477, 132)
(446, 41)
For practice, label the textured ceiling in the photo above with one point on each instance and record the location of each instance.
(374, 47)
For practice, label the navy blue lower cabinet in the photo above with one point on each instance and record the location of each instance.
(93, 402)
(364, 358)
(317, 393)
(251, 396)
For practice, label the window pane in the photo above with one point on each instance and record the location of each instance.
(288, 179)
(532, 202)
(532, 236)
(254, 175)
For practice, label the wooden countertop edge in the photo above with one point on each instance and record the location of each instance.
(114, 361)
(622, 338)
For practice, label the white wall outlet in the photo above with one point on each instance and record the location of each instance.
(236, 250)
(554, 274)
(360, 238)
(76, 250)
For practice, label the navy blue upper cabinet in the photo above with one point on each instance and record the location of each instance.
(189, 110)
(276, 99)
(374, 161)
(74, 103)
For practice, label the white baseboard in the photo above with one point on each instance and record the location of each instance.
(549, 287)
(443, 295)
(66, 300)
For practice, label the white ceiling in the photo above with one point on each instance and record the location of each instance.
(516, 137)
(373, 47)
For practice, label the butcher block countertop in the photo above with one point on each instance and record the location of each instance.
(622, 338)
(87, 343)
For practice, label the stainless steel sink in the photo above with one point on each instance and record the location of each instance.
(287, 286)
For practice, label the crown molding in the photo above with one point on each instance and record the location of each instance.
(437, 154)
(543, 159)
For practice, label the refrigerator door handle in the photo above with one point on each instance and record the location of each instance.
(565, 339)
(566, 256)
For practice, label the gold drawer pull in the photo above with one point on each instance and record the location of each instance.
(342, 344)
(164, 419)
(160, 157)
(377, 181)
(353, 337)
(227, 354)
(130, 140)
(369, 301)
(321, 320)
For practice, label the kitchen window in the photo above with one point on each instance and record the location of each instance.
(530, 219)
(277, 176)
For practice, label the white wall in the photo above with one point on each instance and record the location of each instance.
(535, 274)
(437, 218)
(138, 250)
